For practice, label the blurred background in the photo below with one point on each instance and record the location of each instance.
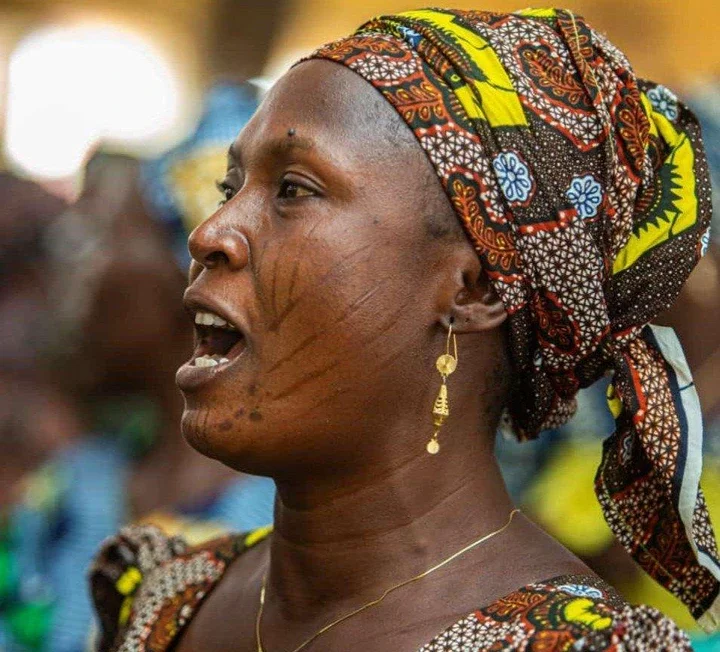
(74, 73)
(114, 123)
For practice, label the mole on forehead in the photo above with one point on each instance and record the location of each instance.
(281, 145)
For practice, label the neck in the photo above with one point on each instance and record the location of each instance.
(343, 541)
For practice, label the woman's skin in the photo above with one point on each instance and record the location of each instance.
(342, 262)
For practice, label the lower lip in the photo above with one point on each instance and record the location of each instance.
(189, 377)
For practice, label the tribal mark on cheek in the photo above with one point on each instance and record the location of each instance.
(336, 392)
(270, 303)
(391, 320)
(316, 285)
(298, 260)
(352, 308)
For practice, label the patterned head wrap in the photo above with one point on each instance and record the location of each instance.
(585, 192)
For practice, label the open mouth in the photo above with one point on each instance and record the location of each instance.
(217, 341)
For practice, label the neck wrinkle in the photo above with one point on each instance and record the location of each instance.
(346, 546)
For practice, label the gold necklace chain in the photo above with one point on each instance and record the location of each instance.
(377, 601)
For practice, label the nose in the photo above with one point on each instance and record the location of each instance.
(215, 243)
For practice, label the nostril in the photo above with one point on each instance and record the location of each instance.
(216, 258)
(214, 244)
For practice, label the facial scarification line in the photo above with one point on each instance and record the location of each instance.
(389, 323)
(263, 251)
(358, 303)
(195, 427)
(303, 345)
(296, 267)
(387, 361)
(293, 303)
(345, 390)
(273, 288)
(258, 266)
(203, 431)
(325, 400)
(349, 311)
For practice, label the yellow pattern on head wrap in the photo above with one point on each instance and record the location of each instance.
(680, 210)
(494, 99)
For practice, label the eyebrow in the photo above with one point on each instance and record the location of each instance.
(276, 147)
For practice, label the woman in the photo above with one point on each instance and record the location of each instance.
(341, 307)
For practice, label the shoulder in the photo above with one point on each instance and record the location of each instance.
(146, 585)
(571, 613)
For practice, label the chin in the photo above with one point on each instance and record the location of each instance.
(217, 438)
(231, 441)
(194, 427)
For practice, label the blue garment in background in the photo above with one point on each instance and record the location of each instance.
(53, 549)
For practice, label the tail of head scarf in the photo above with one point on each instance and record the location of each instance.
(586, 194)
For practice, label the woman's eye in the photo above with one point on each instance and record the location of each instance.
(290, 190)
(226, 191)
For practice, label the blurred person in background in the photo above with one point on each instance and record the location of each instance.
(36, 416)
(111, 332)
(121, 310)
(125, 332)
(180, 186)
(334, 275)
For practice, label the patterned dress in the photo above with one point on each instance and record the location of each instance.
(147, 588)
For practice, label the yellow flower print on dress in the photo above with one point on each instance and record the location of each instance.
(126, 585)
(585, 612)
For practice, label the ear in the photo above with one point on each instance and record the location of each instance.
(474, 306)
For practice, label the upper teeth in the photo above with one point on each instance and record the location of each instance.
(211, 319)
(210, 361)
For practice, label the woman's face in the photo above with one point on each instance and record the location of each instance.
(322, 261)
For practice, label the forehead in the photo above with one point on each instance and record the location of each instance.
(324, 101)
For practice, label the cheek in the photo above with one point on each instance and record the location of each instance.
(335, 313)
(337, 323)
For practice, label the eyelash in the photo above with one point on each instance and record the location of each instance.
(227, 191)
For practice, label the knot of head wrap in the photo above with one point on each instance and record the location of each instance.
(586, 194)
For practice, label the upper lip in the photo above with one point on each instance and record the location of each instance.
(195, 302)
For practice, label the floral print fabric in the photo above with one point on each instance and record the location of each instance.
(513, 176)
(562, 617)
(586, 194)
(147, 588)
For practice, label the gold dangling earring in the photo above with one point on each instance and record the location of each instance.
(445, 364)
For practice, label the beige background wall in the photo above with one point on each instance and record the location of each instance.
(671, 41)
(667, 40)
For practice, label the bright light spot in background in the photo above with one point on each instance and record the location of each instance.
(69, 87)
